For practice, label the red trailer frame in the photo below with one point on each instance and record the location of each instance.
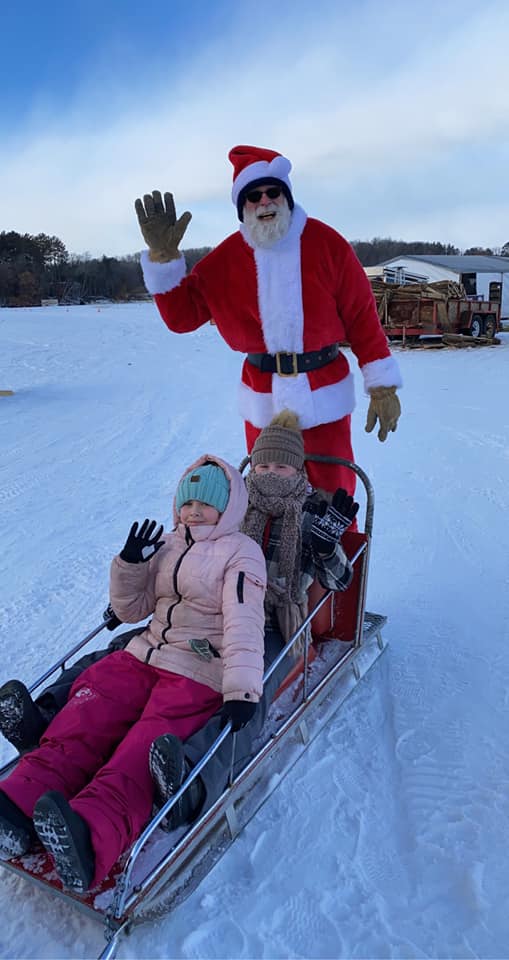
(416, 316)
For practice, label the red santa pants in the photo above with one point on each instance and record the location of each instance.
(95, 751)
(328, 439)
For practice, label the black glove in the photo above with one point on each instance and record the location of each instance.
(141, 544)
(332, 521)
(239, 712)
(110, 616)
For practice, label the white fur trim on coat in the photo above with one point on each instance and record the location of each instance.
(381, 373)
(312, 407)
(279, 282)
(279, 168)
(162, 277)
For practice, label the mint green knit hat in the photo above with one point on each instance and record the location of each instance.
(207, 483)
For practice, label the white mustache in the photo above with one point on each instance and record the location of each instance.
(268, 208)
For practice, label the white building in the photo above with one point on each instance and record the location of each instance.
(484, 278)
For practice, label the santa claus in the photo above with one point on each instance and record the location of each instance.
(285, 289)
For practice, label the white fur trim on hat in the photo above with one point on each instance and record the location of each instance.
(162, 277)
(279, 168)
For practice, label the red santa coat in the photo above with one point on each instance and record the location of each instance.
(305, 292)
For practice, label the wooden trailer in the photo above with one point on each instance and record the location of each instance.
(410, 311)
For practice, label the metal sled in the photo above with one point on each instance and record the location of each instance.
(161, 869)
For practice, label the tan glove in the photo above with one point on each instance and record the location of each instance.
(158, 222)
(384, 406)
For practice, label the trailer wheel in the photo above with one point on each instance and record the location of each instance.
(490, 326)
(476, 326)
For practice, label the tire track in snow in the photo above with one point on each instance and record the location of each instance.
(439, 799)
(308, 919)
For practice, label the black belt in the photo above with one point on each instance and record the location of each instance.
(291, 364)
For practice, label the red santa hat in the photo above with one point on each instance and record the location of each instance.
(253, 166)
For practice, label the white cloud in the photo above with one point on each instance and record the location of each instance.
(350, 101)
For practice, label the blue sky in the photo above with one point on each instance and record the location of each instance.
(394, 114)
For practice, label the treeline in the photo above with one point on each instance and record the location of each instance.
(371, 252)
(35, 268)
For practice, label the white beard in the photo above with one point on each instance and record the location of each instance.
(265, 233)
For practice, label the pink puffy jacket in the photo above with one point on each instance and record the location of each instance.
(204, 589)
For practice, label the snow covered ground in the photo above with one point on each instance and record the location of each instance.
(389, 838)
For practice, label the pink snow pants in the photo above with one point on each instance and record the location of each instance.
(95, 751)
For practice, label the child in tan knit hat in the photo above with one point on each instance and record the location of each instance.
(298, 530)
(279, 445)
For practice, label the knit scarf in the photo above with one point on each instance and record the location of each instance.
(274, 497)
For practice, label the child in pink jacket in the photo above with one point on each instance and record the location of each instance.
(86, 791)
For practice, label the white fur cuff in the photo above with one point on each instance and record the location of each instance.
(162, 277)
(381, 373)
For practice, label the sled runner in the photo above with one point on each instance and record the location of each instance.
(341, 642)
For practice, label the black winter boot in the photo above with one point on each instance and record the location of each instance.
(169, 768)
(17, 832)
(21, 721)
(66, 836)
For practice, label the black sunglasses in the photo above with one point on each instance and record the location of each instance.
(256, 195)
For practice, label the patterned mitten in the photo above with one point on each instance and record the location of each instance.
(328, 528)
